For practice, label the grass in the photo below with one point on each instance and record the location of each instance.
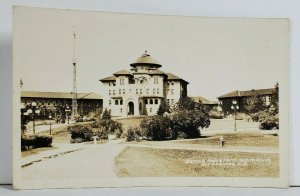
(248, 139)
(130, 122)
(170, 163)
(36, 151)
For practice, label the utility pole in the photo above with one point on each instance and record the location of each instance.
(74, 98)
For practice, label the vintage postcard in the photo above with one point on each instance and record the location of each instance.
(118, 100)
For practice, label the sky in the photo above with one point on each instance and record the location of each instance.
(215, 55)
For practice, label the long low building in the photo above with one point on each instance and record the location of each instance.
(242, 98)
(57, 102)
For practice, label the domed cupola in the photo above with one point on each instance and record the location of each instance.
(146, 60)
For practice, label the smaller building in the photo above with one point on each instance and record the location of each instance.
(206, 102)
(244, 98)
(55, 103)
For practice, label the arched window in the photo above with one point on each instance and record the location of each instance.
(146, 101)
(151, 101)
(156, 101)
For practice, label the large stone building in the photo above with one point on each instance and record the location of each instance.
(142, 89)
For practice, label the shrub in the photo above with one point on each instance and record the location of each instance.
(270, 122)
(35, 141)
(156, 127)
(214, 113)
(133, 134)
(43, 141)
(107, 126)
(81, 131)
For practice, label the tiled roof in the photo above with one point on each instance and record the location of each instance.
(122, 72)
(203, 100)
(110, 78)
(156, 72)
(59, 95)
(174, 77)
(247, 93)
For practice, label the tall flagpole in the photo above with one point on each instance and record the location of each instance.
(74, 98)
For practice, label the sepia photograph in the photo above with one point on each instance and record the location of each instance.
(105, 99)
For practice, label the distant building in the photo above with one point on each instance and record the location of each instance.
(141, 90)
(57, 102)
(205, 101)
(243, 97)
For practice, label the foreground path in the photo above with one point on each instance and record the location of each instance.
(93, 161)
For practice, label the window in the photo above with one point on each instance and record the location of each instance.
(153, 91)
(123, 91)
(141, 91)
(121, 81)
(172, 91)
(150, 110)
(114, 83)
(172, 101)
(156, 101)
(116, 102)
(157, 90)
(146, 101)
(109, 102)
(109, 92)
(147, 91)
(120, 91)
(151, 101)
(114, 92)
(137, 91)
(121, 110)
(121, 102)
(168, 101)
(155, 80)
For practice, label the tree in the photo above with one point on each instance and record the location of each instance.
(188, 117)
(106, 115)
(160, 110)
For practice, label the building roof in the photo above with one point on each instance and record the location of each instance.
(204, 100)
(146, 59)
(122, 72)
(59, 95)
(174, 77)
(110, 78)
(156, 72)
(237, 93)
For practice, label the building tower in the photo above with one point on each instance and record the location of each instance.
(74, 98)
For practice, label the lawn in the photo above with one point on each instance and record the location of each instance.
(149, 162)
(130, 122)
(237, 139)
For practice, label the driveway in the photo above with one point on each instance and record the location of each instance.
(93, 161)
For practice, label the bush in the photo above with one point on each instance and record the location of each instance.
(35, 141)
(157, 127)
(107, 126)
(215, 114)
(270, 122)
(43, 141)
(81, 131)
(133, 134)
